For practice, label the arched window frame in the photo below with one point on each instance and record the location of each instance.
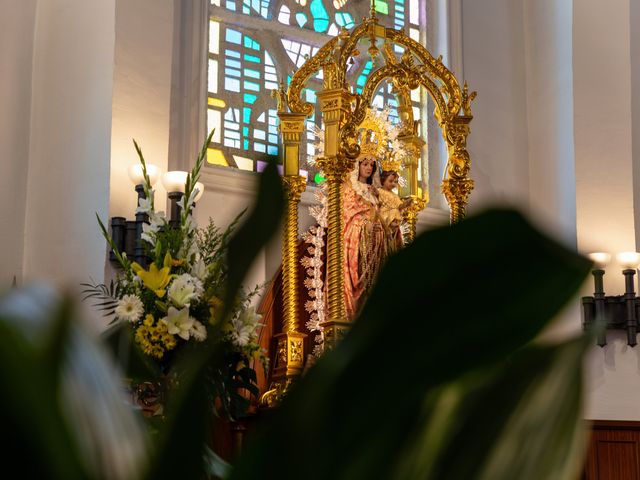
(188, 123)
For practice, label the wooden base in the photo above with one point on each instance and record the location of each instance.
(614, 451)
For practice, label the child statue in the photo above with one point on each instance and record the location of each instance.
(391, 206)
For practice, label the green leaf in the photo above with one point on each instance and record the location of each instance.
(263, 222)
(122, 260)
(533, 399)
(216, 467)
(458, 300)
(57, 390)
(127, 354)
(147, 181)
(181, 451)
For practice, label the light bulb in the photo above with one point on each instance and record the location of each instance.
(136, 176)
(600, 259)
(174, 181)
(628, 259)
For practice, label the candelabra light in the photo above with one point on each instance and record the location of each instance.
(615, 312)
(174, 182)
(127, 234)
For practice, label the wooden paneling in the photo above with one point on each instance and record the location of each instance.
(614, 451)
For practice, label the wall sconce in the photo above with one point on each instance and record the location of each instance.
(619, 312)
(174, 183)
(127, 234)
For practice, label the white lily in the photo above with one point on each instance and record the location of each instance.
(245, 327)
(179, 322)
(145, 204)
(184, 289)
(199, 269)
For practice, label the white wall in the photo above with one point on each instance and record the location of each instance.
(549, 87)
(141, 95)
(68, 176)
(17, 24)
(602, 97)
(494, 66)
(605, 190)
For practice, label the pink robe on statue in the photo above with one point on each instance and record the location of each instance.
(364, 247)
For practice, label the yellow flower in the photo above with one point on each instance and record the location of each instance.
(155, 279)
(214, 304)
(177, 263)
(148, 320)
(154, 339)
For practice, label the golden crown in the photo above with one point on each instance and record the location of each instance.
(375, 137)
(390, 163)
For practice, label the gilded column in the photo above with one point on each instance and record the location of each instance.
(335, 104)
(419, 199)
(290, 354)
(290, 342)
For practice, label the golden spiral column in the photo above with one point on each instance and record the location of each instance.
(335, 104)
(290, 354)
(293, 186)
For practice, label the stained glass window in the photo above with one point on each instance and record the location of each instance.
(256, 44)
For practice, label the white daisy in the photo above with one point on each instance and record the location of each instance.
(198, 331)
(129, 308)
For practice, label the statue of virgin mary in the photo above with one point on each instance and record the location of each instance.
(365, 243)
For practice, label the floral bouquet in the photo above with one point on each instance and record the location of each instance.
(171, 301)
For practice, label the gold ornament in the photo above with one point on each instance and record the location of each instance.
(351, 129)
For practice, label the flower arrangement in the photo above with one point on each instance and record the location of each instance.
(172, 300)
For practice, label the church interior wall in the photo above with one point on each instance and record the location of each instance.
(555, 134)
(57, 157)
(493, 47)
(16, 29)
(141, 95)
(605, 192)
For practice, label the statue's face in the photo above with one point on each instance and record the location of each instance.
(366, 167)
(390, 182)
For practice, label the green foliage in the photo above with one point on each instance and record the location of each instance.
(438, 379)
(187, 411)
(262, 224)
(57, 389)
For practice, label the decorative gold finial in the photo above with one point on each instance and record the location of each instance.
(467, 98)
(281, 97)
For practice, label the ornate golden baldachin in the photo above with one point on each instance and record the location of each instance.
(343, 113)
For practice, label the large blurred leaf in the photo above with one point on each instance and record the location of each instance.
(181, 451)
(252, 236)
(521, 419)
(458, 300)
(133, 362)
(61, 402)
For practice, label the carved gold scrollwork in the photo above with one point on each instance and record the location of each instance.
(457, 191)
(300, 78)
(295, 349)
(343, 113)
(410, 215)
